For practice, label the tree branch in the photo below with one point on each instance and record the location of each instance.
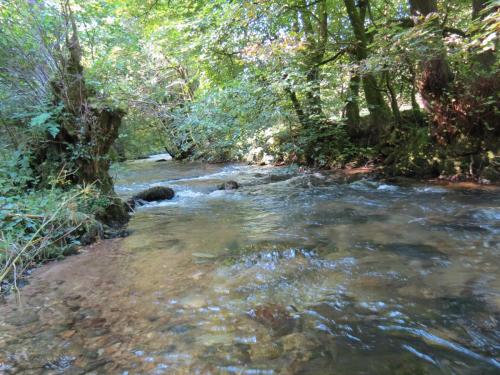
(333, 58)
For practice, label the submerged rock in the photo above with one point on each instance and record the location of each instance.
(277, 178)
(60, 364)
(274, 316)
(23, 318)
(419, 251)
(229, 185)
(300, 345)
(156, 193)
(264, 351)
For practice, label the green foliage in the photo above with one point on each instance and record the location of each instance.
(225, 123)
(412, 153)
(324, 146)
(37, 225)
(44, 122)
(217, 80)
(139, 137)
(15, 173)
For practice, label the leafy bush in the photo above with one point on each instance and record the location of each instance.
(323, 146)
(15, 173)
(224, 124)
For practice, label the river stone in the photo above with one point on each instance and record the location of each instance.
(68, 334)
(23, 318)
(130, 204)
(92, 233)
(266, 350)
(416, 251)
(299, 342)
(274, 316)
(156, 193)
(277, 178)
(229, 185)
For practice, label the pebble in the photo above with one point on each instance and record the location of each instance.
(68, 334)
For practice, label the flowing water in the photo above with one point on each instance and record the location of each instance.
(293, 273)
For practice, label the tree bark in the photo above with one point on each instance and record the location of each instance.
(86, 132)
(423, 7)
(316, 36)
(393, 96)
(352, 105)
(379, 111)
(477, 7)
(303, 119)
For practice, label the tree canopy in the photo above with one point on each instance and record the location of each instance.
(321, 82)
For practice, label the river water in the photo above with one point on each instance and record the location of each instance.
(293, 273)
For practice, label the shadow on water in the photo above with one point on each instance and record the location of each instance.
(293, 273)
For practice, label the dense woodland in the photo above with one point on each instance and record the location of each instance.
(410, 87)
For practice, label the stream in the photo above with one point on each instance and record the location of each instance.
(293, 273)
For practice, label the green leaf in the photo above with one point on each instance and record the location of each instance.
(53, 129)
(40, 119)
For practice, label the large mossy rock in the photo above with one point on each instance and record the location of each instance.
(229, 185)
(156, 193)
(115, 214)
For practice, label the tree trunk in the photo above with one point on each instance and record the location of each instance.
(352, 105)
(477, 7)
(316, 36)
(313, 93)
(86, 132)
(394, 100)
(434, 75)
(379, 112)
(423, 7)
(303, 119)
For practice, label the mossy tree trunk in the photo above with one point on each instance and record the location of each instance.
(379, 111)
(87, 131)
(352, 106)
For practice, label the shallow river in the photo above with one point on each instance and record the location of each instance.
(293, 273)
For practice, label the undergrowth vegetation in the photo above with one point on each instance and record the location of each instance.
(41, 224)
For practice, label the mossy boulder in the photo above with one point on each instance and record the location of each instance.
(115, 214)
(156, 193)
(229, 185)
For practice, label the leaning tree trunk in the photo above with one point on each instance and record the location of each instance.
(86, 132)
